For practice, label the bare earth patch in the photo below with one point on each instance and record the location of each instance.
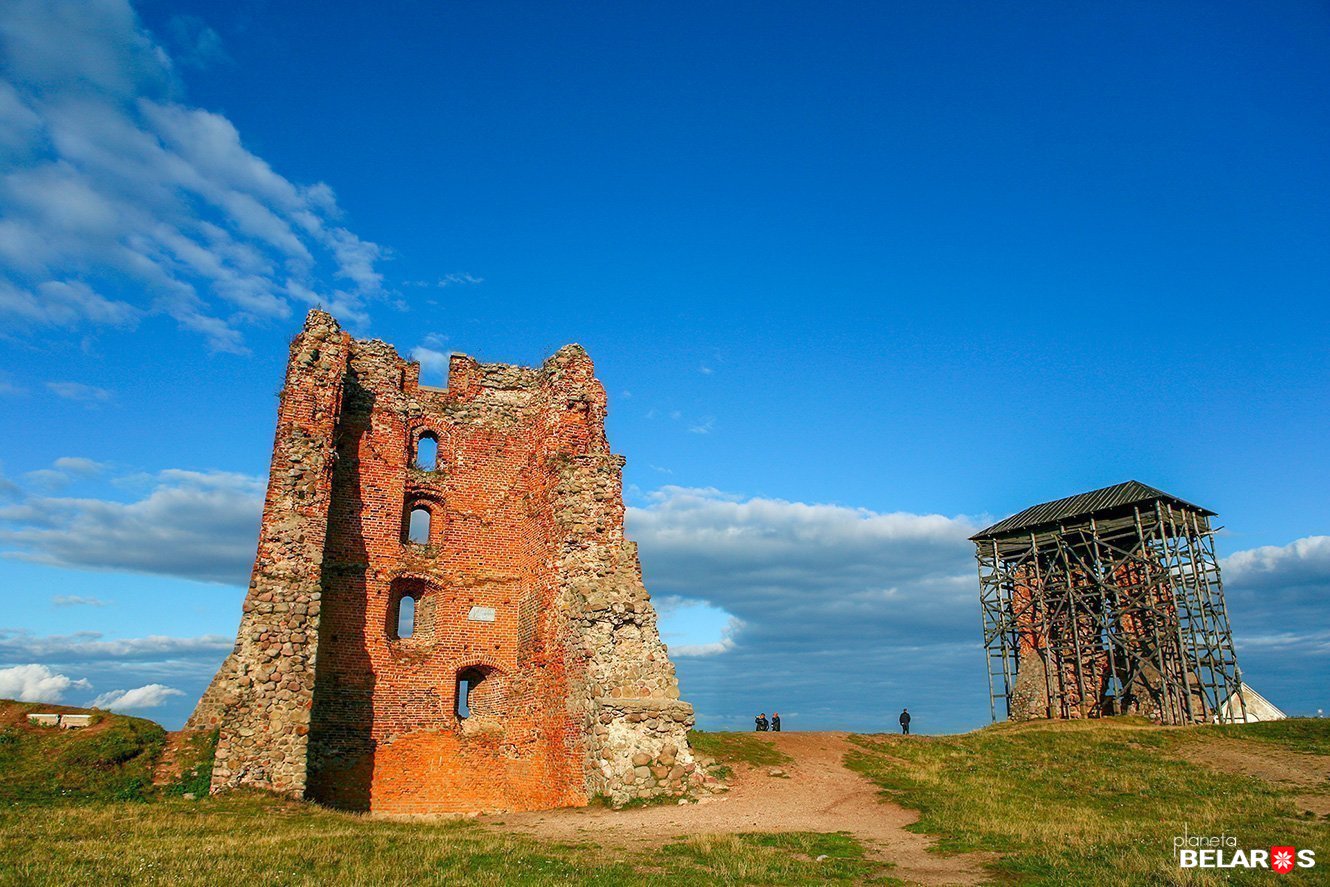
(1308, 773)
(815, 794)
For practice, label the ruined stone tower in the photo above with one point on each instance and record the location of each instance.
(453, 632)
(1108, 602)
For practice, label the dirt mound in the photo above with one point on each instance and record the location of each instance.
(813, 793)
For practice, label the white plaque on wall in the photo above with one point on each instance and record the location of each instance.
(481, 614)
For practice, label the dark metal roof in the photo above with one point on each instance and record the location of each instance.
(1095, 502)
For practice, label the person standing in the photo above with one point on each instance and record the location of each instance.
(760, 722)
(905, 721)
(775, 722)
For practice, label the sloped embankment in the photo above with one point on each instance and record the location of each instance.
(110, 760)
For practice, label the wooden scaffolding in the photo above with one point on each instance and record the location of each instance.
(1109, 602)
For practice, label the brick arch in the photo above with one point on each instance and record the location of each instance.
(426, 593)
(428, 495)
(487, 686)
(429, 502)
(420, 431)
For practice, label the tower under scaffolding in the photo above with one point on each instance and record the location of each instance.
(1109, 602)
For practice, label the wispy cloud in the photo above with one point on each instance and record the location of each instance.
(77, 391)
(76, 600)
(194, 44)
(117, 200)
(85, 647)
(448, 280)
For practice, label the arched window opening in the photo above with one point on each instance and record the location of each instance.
(406, 617)
(418, 526)
(410, 612)
(468, 680)
(427, 452)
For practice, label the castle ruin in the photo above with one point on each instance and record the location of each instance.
(444, 614)
(1108, 602)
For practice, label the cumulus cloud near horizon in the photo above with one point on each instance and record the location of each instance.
(137, 699)
(37, 683)
(1276, 596)
(830, 605)
(119, 200)
(828, 610)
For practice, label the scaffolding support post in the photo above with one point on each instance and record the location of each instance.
(1118, 605)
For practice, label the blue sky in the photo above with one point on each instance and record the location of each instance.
(857, 277)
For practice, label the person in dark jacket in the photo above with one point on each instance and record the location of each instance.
(775, 722)
(905, 721)
(761, 722)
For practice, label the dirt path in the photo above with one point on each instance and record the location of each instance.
(1309, 773)
(817, 794)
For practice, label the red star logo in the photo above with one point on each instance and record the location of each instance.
(1281, 859)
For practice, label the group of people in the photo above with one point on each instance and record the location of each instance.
(762, 725)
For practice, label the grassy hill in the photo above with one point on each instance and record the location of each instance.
(1100, 802)
(1069, 803)
(111, 760)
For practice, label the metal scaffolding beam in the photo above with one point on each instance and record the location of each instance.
(1117, 610)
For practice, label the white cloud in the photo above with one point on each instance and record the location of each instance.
(1305, 560)
(36, 683)
(147, 696)
(836, 610)
(695, 628)
(63, 303)
(63, 471)
(77, 600)
(433, 363)
(89, 646)
(703, 427)
(78, 465)
(117, 200)
(1276, 597)
(196, 525)
(459, 280)
(77, 391)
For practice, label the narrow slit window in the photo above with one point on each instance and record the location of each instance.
(427, 452)
(406, 617)
(418, 526)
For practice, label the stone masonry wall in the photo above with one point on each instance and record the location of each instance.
(525, 587)
(260, 699)
(1047, 685)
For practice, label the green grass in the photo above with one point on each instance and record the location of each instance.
(1296, 734)
(78, 805)
(110, 761)
(1093, 802)
(253, 839)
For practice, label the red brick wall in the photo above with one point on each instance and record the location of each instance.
(321, 697)
(385, 736)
